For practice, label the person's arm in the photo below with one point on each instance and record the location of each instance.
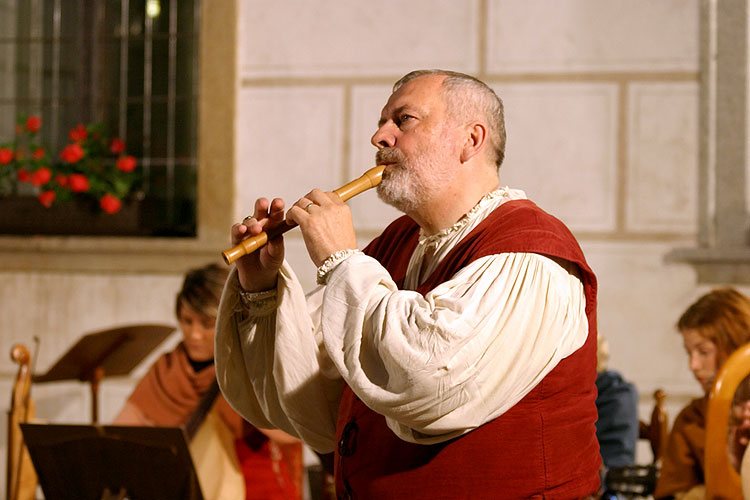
(440, 365)
(681, 469)
(132, 415)
(617, 425)
(270, 364)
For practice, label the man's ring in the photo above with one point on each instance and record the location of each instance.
(307, 207)
(246, 218)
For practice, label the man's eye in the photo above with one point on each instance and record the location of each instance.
(404, 118)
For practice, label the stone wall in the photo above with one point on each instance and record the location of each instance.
(601, 104)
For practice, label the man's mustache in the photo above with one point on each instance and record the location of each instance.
(388, 155)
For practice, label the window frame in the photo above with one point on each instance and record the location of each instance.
(216, 155)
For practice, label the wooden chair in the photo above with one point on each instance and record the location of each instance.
(21, 477)
(722, 480)
(639, 481)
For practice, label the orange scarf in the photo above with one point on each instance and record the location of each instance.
(171, 390)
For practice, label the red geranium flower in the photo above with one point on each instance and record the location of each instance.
(23, 175)
(33, 124)
(41, 176)
(78, 183)
(6, 156)
(78, 134)
(101, 167)
(116, 146)
(61, 180)
(72, 153)
(46, 198)
(126, 163)
(110, 204)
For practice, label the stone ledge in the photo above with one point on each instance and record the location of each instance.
(715, 265)
(106, 254)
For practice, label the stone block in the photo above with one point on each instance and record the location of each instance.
(662, 165)
(539, 36)
(335, 37)
(562, 149)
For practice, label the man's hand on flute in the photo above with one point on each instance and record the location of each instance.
(259, 270)
(326, 224)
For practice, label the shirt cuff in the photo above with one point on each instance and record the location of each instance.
(258, 303)
(331, 262)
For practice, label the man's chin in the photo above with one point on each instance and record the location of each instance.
(398, 201)
(390, 201)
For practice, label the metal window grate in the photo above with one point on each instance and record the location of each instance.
(78, 61)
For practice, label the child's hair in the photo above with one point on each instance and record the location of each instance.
(721, 316)
(201, 290)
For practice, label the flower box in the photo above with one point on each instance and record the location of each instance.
(24, 215)
(93, 165)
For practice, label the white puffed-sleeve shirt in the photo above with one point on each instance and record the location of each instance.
(436, 366)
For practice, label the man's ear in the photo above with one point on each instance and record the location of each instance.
(474, 141)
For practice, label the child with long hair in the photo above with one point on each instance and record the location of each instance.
(712, 328)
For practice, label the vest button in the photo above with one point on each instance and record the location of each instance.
(348, 442)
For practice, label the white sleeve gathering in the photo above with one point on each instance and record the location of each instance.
(436, 366)
(441, 365)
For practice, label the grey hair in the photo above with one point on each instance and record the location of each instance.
(464, 95)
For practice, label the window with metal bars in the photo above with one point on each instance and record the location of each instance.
(130, 64)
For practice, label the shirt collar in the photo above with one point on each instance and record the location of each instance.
(495, 197)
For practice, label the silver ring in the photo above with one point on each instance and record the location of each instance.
(307, 207)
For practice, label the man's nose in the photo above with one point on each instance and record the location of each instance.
(383, 137)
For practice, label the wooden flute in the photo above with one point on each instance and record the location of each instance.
(368, 180)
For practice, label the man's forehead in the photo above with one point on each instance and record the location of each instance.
(418, 92)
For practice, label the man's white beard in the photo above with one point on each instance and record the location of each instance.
(409, 183)
(401, 188)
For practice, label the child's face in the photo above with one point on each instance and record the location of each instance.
(703, 357)
(197, 332)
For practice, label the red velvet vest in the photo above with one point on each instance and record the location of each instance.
(543, 447)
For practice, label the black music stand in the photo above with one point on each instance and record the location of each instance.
(91, 462)
(112, 352)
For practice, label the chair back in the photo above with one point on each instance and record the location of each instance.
(656, 430)
(21, 479)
